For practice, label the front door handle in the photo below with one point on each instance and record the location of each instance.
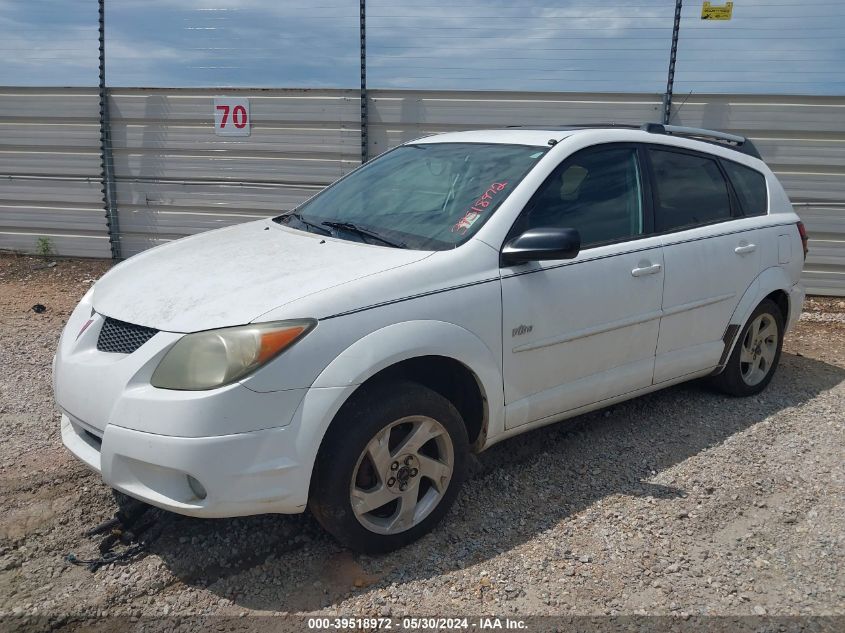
(744, 249)
(647, 270)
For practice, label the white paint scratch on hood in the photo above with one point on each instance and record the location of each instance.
(231, 276)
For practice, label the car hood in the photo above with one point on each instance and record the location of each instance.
(234, 275)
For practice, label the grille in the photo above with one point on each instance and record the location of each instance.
(121, 337)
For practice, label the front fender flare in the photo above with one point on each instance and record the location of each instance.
(412, 339)
(386, 347)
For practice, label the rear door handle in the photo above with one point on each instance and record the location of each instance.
(744, 249)
(647, 270)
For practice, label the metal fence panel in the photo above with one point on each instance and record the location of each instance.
(802, 139)
(50, 171)
(397, 116)
(175, 177)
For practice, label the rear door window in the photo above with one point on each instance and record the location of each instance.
(689, 191)
(750, 187)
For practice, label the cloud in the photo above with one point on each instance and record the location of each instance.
(38, 50)
(571, 45)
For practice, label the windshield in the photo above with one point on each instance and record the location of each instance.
(428, 196)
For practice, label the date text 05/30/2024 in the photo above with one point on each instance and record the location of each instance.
(423, 623)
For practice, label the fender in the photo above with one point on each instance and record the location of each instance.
(381, 349)
(410, 339)
(771, 279)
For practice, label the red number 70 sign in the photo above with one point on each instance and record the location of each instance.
(231, 116)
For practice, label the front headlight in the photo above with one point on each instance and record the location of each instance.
(214, 358)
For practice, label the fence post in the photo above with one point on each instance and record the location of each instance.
(673, 53)
(106, 159)
(364, 122)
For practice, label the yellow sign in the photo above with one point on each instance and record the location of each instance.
(723, 12)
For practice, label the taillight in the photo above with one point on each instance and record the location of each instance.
(804, 239)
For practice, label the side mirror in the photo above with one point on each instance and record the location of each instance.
(542, 244)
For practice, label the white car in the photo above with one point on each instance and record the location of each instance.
(460, 289)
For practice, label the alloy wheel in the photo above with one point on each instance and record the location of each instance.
(759, 348)
(402, 474)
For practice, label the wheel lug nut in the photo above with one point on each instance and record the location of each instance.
(414, 472)
(391, 481)
(394, 466)
(402, 487)
(408, 460)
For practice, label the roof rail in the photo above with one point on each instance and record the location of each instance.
(576, 126)
(731, 141)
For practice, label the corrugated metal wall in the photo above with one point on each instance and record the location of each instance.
(175, 177)
(802, 139)
(50, 171)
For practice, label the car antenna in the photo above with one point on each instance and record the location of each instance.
(679, 107)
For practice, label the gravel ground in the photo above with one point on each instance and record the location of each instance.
(680, 502)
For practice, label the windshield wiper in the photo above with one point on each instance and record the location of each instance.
(298, 216)
(354, 228)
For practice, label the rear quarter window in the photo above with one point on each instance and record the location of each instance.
(750, 187)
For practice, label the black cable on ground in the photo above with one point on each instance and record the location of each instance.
(136, 526)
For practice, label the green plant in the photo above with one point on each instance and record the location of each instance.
(44, 246)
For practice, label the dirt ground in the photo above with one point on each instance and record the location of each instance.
(683, 502)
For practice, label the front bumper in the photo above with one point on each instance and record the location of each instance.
(255, 472)
(245, 473)
(252, 452)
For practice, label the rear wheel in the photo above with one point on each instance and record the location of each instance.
(755, 356)
(390, 467)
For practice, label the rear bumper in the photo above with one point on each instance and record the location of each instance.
(796, 304)
(245, 473)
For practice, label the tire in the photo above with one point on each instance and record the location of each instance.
(753, 361)
(128, 504)
(399, 495)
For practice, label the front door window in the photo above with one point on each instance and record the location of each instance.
(597, 192)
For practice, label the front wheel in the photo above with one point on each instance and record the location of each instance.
(390, 467)
(756, 354)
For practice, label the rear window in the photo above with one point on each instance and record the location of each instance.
(690, 191)
(750, 187)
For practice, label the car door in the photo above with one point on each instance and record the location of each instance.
(711, 253)
(580, 331)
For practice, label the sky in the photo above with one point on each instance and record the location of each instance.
(769, 46)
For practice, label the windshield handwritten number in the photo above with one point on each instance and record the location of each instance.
(225, 110)
(477, 208)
